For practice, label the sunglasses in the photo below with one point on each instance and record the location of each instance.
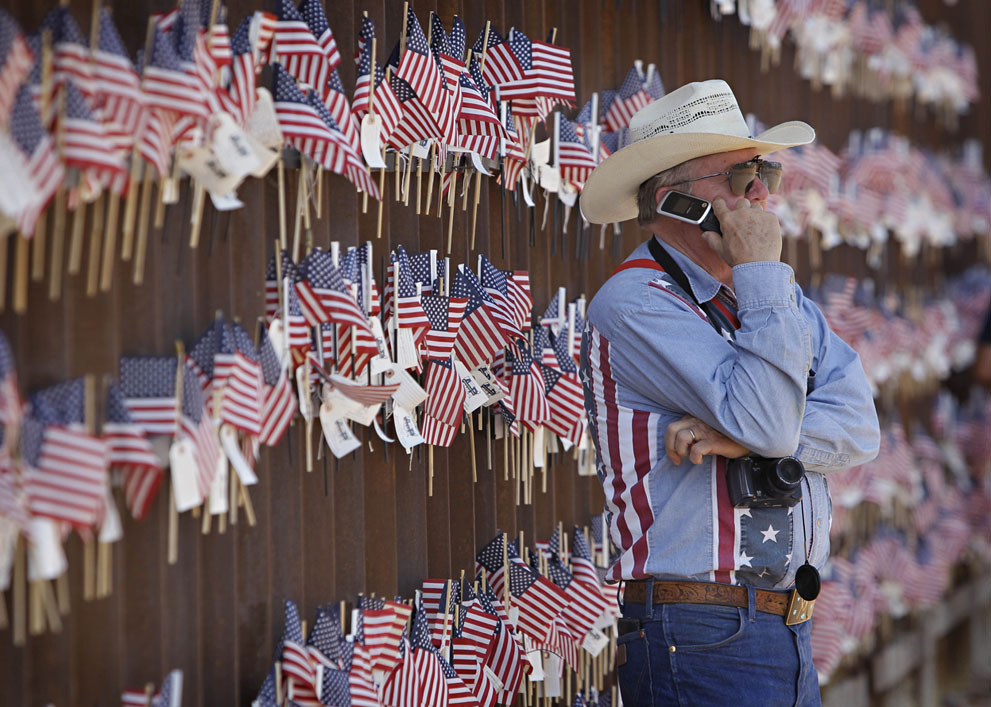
(742, 176)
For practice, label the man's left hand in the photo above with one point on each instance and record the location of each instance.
(692, 438)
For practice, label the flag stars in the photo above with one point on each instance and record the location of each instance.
(770, 534)
(744, 560)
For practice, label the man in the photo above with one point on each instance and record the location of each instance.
(701, 350)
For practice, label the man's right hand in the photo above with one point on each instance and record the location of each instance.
(750, 234)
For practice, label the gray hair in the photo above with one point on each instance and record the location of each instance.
(646, 202)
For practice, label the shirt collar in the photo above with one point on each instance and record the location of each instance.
(704, 286)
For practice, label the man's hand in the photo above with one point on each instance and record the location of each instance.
(692, 438)
(750, 234)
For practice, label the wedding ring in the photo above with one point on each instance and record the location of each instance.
(694, 438)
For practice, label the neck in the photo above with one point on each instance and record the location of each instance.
(686, 239)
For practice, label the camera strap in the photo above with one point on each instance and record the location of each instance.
(668, 265)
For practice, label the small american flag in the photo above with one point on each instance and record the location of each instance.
(243, 397)
(419, 69)
(170, 694)
(71, 57)
(430, 674)
(339, 107)
(547, 69)
(479, 128)
(490, 558)
(297, 666)
(117, 88)
(445, 315)
(16, 59)
(526, 386)
(148, 385)
(85, 143)
(342, 153)
(196, 425)
(506, 659)
(445, 49)
(131, 454)
(242, 90)
(298, 50)
(581, 559)
(316, 20)
(574, 159)
(520, 301)
(586, 602)
(383, 632)
(44, 167)
(409, 311)
(630, 98)
(494, 283)
(446, 393)
(69, 481)
(501, 65)
(279, 404)
(437, 432)
(166, 86)
(537, 599)
(418, 122)
(386, 105)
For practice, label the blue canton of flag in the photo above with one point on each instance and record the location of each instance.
(61, 404)
(564, 361)
(523, 49)
(763, 547)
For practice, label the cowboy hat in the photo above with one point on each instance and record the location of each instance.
(698, 119)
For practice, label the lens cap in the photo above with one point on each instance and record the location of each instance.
(807, 582)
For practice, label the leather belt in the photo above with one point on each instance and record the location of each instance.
(677, 592)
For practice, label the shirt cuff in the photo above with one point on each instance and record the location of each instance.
(764, 284)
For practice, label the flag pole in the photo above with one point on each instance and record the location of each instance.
(430, 177)
(281, 171)
(471, 436)
(371, 111)
(199, 191)
(173, 532)
(38, 248)
(96, 227)
(130, 206)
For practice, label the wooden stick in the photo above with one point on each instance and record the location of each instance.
(20, 272)
(36, 616)
(245, 501)
(430, 176)
(196, 221)
(407, 177)
(58, 242)
(450, 202)
(298, 223)
(283, 238)
(62, 591)
(232, 499)
(110, 242)
(173, 543)
(76, 238)
(474, 211)
(50, 606)
(38, 248)
(144, 220)
(430, 466)
(95, 246)
(4, 620)
(160, 202)
(471, 435)
(89, 570)
(18, 599)
(319, 204)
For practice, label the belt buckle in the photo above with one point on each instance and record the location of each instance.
(799, 609)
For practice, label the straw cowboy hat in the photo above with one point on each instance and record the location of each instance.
(698, 119)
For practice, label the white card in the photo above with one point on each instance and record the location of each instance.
(497, 684)
(549, 178)
(407, 431)
(336, 432)
(420, 149)
(406, 349)
(594, 642)
(474, 396)
(184, 472)
(203, 166)
(225, 202)
(264, 123)
(409, 394)
(371, 141)
(608, 619)
(8, 543)
(525, 187)
(535, 659)
(303, 392)
(476, 161)
(486, 381)
(170, 190)
(381, 361)
(232, 449)
(46, 556)
(218, 488)
(539, 451)
(230, 145)
(567, 193)
(111, 530)
(552, 676)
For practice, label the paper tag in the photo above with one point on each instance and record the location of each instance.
(486, 381)
(405, 349)
(263, 124)
(540, 152)
(474, 396)
(420, 149)
(111, 530)
(226, 202)
(364, 414)
(276, 334)
(230, 145)
(8, 543)
(594, 642)
(339, 437)
(497, 684)
(409, 393)
(567, 193)
(232, 448)
(184, 472)
(539, 451)
(303, 390)
(407, 432)
(46, 556)
(170, 190)
(525, 188)
(476, 161)
(381, 361)
(371, 141)
(218, 488)
(535, 659)
(552, 676)
(203, 166)
(549, 178)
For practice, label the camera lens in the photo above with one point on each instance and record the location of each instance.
(785, 475)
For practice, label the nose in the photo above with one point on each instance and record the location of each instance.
(758, 191)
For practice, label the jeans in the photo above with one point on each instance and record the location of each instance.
(702, 654)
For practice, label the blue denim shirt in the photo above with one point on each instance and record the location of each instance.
(649, 356)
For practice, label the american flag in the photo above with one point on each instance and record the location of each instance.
(630, 98)
(405, 299)
(69, 480)
(16, 60)
(493, 281)
(170, 694)
(382, 633)
(44, 168)
(506, 659)
(446, 393)
(445, 315)
(427, 269)
(449, 51)
(439, 604)
(436, 432)
(515, 159)
(537, 599)
(431, 676)
(653, 85)
(419, 69)
(581, 559)
(117, 88)
(243, 395)
(85, 143)
(501, 65)
(586, 602)
(301, 122)
(471, 647)
(363, 394)
(339, 108)
(547, 69)
(490, 558)
(242, 90)
(479, 128)
(11, 405)
(565, 397)
(297, 665)
(167, 86)
(316, 20)
(520, 301)
(385, 105)
(148, 385)
(71, 56)
(561, 641)
(526, 386)
(418, 122)
(402, 686)
(131, 454)
(542, 350)
(196, 425)
(298, 50)
(279, 404)
(574, 160)
(356, 269)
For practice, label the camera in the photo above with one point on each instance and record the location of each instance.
(758, 482)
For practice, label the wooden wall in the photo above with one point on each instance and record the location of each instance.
(366, 523)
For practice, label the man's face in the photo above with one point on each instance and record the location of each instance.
(718, 187)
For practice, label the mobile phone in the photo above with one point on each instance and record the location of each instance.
(690, 209)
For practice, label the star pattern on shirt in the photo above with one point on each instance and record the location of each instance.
(770, 534)
(743, 560)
